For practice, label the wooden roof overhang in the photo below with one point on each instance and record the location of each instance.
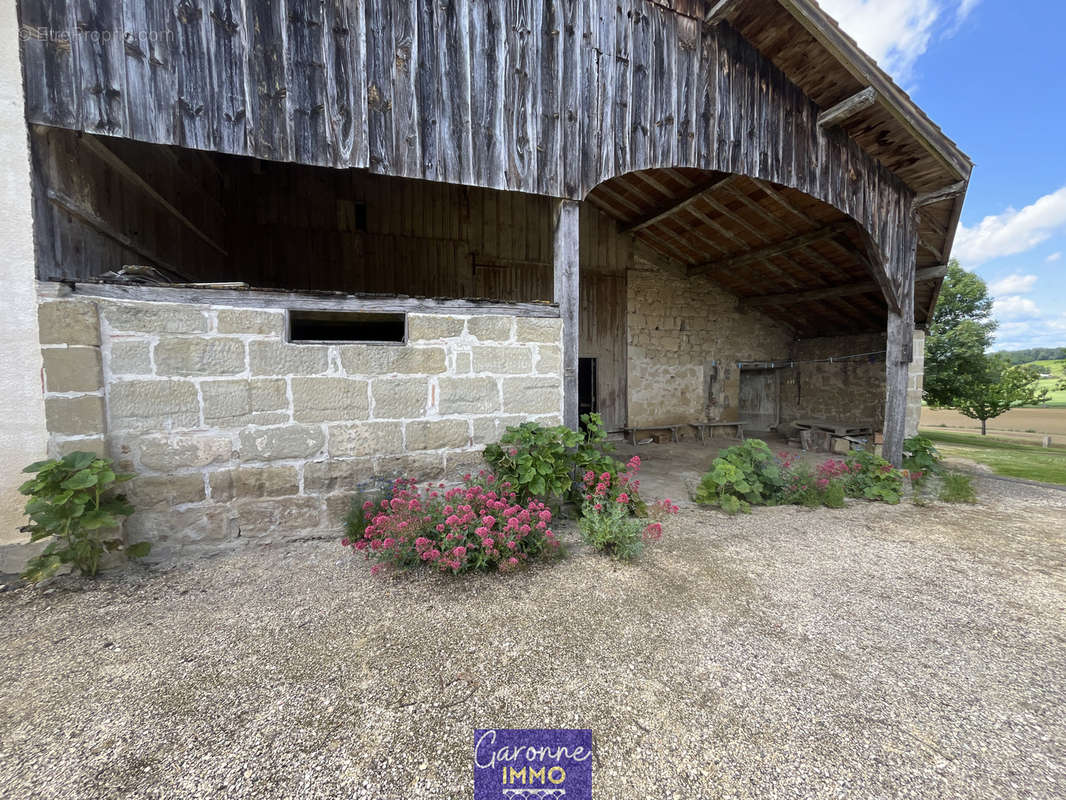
(861, 99)
(783, 253)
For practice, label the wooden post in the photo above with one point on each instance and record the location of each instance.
(900, 344)
(565, 244)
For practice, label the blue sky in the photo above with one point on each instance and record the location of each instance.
(992, 74)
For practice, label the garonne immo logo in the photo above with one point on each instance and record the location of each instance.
(542, 764)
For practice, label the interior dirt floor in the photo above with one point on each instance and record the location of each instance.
(874, 651)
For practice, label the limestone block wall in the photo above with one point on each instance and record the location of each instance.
(235, 433)
(849, 390)
(686, 336)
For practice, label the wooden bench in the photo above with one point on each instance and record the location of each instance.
(701, 429)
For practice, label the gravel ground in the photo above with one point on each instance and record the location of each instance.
(872, 652)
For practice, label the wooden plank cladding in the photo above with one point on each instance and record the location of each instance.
(550, 98)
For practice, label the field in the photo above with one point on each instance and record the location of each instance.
(1012, 458)
(1022, 423)
(1058, 398)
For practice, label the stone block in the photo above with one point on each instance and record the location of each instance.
(462, 363)
(437, 434)
(154, 318)
(491, 328)
(130, 357)
(337, 508)
(488, 430)
(171, 531)
(153, 405)
(365, 439)
(510, 360)
(73, 322)
(420, 466)
(261, 518)
(199, 355)
(183, 451)
(80, 416)
(72, 369)
(338, 475)
(329, 399)
(97, 445)
(156, 492)
(538, 329)
(388, 359)
(429, 327)
(259, 323)
(463, 462)
(549, 360)
(235, 403)
(532, 395)
(275, 444)
(469, 396)
(400, 398)
(233, 484)
(280, 358)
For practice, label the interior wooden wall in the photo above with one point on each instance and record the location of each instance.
(290, 226)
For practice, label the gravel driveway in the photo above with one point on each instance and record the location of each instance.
(871, 652)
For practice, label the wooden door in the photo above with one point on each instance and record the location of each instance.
(758, 399)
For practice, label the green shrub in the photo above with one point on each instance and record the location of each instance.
(920, 455)
(801, 487)
(545, 463)
(361, 513)
(71, 504)
(871, 477)
(834, 494)
(742, 476)
(957, 488)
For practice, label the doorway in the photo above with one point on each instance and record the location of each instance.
(758, 399)
(586, 386)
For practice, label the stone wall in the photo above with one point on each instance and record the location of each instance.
(849, 390)
(686, 336)
(235, 433)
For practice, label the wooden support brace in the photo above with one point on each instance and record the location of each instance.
(846, 109)
(566, 247)
(673, 208)
(847, 290)
(719, 11)
(947, 193)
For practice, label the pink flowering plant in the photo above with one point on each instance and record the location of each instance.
(479, 526)
(607, 520)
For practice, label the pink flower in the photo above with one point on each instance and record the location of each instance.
(512, 561)
(599, 506)
(345, 542)
(623, 498)
(459, 551)
(653, 532)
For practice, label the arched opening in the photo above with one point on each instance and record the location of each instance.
(745, 301)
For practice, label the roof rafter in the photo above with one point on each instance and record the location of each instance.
(845, 290)
(770, 250)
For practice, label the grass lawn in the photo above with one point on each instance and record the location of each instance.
(1009, 458)
(1058, 399)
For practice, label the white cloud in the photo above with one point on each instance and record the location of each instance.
(1015, 308)
(1012, 231)
(1013, 284)
(1051, 259)
(897, 32)
(1039, 333)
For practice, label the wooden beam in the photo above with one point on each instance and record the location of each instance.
(771, 250)
(851, 57)
(947, 193)
(675, 206)
(875, 266)
(845, 290)
(89, 218)
(309, 301)
(898, 357)
(846, 109)
(106, 155)
(719, 11)
(566, 247)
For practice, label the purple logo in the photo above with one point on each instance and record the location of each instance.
(532, 764)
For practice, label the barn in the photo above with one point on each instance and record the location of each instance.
(261, 252)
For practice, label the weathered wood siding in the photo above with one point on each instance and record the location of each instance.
(546, 97)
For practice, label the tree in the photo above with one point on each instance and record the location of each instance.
(1001, 388)
(959, 336)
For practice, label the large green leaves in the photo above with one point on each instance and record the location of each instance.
(70, 503)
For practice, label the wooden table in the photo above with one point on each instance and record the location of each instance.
(701, 429)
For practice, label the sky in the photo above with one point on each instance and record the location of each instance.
(992, 74)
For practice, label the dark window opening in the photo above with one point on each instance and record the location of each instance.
(586, 386)
(346, 326)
